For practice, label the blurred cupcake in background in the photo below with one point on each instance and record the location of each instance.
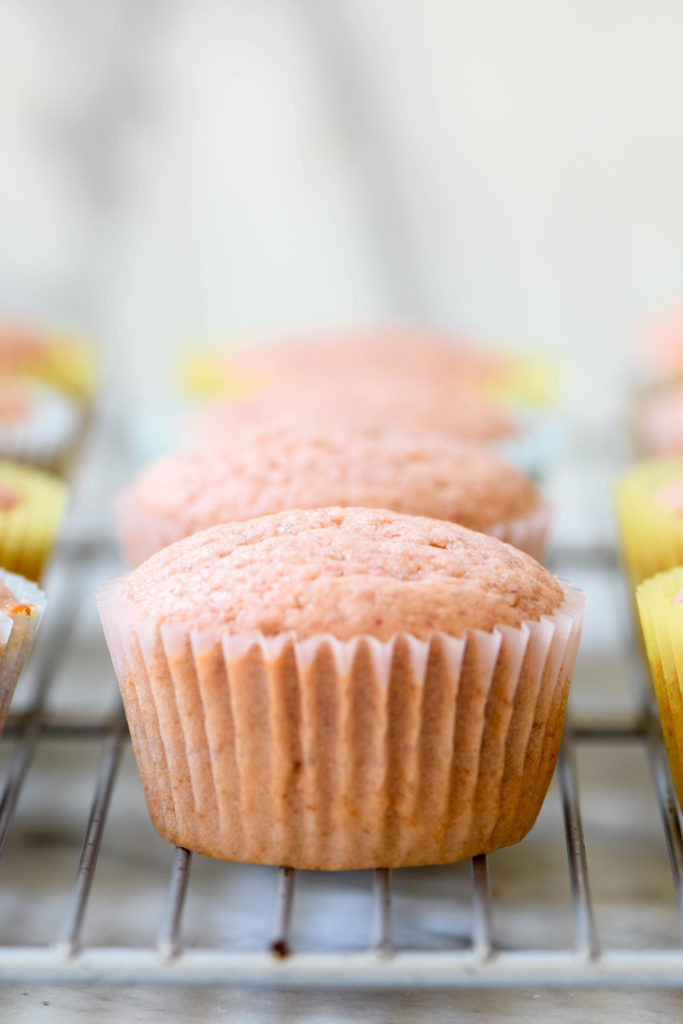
(658, 347)
(312, 361)
(57, 357)
(399, 403)
(402, 403)
(410, 377)
(649, 506)
(32, 506)
(39, 424)
(386, 353)
(658, 420)
(256, 469)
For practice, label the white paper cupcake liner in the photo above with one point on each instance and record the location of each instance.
(325, 754)
(18, 629)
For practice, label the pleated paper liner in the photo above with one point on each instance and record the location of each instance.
(141, 533)
(29, 529)
(651, 534)
(335, 755)
(662, 622)
(18, 628)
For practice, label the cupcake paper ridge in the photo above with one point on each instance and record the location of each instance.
(257, 775)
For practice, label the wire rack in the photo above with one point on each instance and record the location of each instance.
(473, 958)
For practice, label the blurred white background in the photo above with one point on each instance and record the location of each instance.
(173, 170)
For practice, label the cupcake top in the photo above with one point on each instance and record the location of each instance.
(20, 346)
(384, 352)
(300, 464)
(48, 354)
(435, 406)
(660, 421)
(341, 571)
(659, 344)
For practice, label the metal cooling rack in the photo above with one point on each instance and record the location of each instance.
(478, 960)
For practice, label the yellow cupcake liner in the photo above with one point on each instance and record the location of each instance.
(651, 535)
(662, 623)
(207, 374)
(530, 379)
(29, 530)
(68, 362)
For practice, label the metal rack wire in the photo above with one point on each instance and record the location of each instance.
(480, 962)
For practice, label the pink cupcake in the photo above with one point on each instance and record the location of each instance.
(401, 403)
(255, 471)
(314, 360)
(343, 688)
(658, 421)
(659, 346)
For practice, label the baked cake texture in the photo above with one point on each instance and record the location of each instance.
(262, 470)
(343, 688)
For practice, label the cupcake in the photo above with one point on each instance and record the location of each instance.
(310, 361)
(660, 604)
(659, 346)
(649, 506)
(32, 504)
(21, 609)
(427, 406)
(53, 356)
(658, 421)
(527, 439)
(343, 688)
(38, 423)
(380, 353)
(258, 471)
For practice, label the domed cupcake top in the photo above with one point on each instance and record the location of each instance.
(308, 465)
(432, 405)
(341, 571)
(387, 351)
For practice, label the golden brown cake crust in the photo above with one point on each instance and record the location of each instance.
(342, 571)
